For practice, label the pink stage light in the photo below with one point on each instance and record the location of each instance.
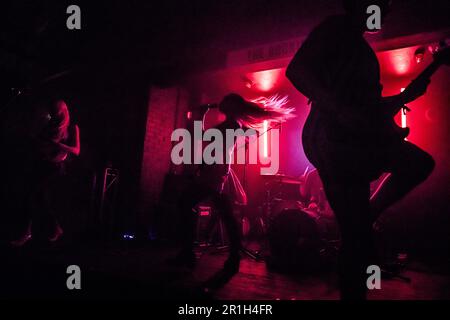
(265, 140)
(403, 116)
(403, 113)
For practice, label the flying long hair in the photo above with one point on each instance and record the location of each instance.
(252, 114)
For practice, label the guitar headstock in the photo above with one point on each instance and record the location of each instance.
(442, 54)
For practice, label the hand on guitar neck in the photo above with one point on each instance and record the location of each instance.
(416, 89)
(392, 105)
(418, 86)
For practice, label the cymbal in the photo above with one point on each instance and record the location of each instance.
(282, 178)
(291, 181)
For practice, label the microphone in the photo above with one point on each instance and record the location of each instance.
(204, 108)
(200, 111)
(208, 106)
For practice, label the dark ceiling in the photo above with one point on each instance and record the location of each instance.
(149, 35)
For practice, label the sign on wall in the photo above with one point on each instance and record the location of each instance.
(272, 51)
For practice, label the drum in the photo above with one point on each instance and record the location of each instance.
(295, 240)
(279, 205)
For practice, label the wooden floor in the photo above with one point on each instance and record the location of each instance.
(255, 282)
(124, 271)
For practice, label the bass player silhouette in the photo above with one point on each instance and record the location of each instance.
(350, 135)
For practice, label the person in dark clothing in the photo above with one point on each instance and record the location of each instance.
(210, 179)
(344, 136)
(52, 141)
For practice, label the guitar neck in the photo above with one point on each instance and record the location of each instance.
(428, 71)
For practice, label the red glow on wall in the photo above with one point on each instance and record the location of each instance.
(266, 80)
(400, 62)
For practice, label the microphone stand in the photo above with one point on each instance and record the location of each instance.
(255, 255)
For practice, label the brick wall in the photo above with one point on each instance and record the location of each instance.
(166, 111)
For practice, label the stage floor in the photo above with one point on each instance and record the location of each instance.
(140, 271)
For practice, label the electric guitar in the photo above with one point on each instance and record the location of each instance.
(49, 151)
(318, 139)
(440, 57)
(46, 141)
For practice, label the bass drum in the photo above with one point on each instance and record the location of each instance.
(295, 241)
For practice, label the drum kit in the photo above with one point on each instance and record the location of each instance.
(298, 235)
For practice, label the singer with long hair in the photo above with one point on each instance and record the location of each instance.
(210, 179)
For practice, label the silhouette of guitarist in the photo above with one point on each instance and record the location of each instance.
(350, 136)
